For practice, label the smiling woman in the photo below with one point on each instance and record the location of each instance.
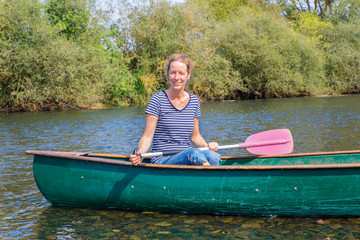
(172, 121)
(178, 72)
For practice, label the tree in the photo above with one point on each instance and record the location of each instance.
(71, 17)
(44, 70)
(324, 8)
(221, 9)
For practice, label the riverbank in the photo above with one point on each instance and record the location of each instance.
(126, 105)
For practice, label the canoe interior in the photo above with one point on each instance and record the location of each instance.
(317, 158)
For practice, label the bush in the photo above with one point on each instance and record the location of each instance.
(159, 30)
(269, 58)
(252, 53)
(44, 69)
(57, 55)
(343, 57)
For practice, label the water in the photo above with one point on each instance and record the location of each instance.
(317, 124)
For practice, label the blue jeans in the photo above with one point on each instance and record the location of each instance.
(191, 156)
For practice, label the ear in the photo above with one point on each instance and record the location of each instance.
(188, 76)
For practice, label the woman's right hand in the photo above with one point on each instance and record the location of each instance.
(213, 146)
(135, 158)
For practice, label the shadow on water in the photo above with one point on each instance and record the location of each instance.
(317, 124)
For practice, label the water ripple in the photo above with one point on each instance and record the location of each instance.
(317, 124)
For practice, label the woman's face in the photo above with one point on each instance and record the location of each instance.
(178, 75)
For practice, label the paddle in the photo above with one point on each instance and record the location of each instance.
(271, 142)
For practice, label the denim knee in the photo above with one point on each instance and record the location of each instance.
(190, 156)
(195, 156)
(212, 157)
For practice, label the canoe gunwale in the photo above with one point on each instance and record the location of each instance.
(100, 158)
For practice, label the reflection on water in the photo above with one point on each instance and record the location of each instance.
(317, 124)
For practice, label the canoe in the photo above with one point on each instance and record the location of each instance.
(302, 184)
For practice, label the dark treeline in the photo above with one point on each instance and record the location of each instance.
(60, 54)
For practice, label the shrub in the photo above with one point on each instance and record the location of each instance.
(270, 59)
(343, 57)
(44, 69)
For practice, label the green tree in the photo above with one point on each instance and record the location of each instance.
(312, 26)
(220, 9)
(343, 57)
(269, 58)
(156, 31)
(343, 9)
(248, 50)
(43, 70)
(70, 17)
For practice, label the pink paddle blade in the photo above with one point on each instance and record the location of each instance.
(272, 142)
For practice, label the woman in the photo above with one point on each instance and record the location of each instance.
(172, 121)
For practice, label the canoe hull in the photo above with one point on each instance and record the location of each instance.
(90, 182)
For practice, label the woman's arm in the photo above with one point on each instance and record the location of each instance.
(146, 139)
(198, 140)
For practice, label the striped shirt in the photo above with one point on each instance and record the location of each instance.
(174, 127)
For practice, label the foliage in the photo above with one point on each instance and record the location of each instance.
(335, 9)
(221, 9)
(157, 31)
(310, 24)
(43, 69)
(270, 59)
(62, 54)
(346, 10)
(343, 57)
(253, 54)
(119, 83)
(70, 17)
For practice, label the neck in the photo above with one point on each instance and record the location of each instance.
(173, 94)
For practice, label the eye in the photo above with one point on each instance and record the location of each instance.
(179, 73)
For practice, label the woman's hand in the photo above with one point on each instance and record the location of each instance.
(213, 146)
(135, 158)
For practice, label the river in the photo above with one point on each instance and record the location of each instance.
(317, 124)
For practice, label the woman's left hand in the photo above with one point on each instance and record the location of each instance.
(213, 146)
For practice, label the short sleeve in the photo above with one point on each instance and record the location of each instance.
(153, 106)
(198, 108)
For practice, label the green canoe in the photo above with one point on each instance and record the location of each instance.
(311, 184)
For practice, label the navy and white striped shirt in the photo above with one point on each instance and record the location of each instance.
(174, 127)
